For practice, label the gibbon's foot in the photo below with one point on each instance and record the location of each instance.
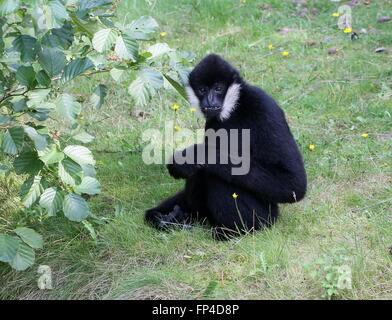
(176, 218)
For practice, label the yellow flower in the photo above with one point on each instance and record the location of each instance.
(347, 30)
(285, 53)
(335, 14)
(177, 128)
(365, 135)
(270, 47)
(163, 34)
(193, 110)
(175, 107)
(235, 195)
(244, 1)
(311, 147)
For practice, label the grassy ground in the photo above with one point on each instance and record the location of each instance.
(330, 100)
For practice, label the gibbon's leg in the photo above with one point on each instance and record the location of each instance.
(232, 217)
(171, 212)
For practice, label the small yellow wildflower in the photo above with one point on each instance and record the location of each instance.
(365, 135)
(270, 47)
(235, 195)
(193, 110)
(163, 34)
(175, 107)
(335, 14)
(244, 1)
(285, 53)
(177, 128)
(311, 147)
(347, 30)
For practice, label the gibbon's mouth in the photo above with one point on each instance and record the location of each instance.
(212, 108)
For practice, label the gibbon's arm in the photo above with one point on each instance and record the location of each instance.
(275, 185)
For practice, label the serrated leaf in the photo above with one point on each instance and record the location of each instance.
(104, 39)
(75, 207)
(89, 170)
(158, 49)
(70, 172)
(30, 237)
(13, 140)
(30, 190)
(42, 78)
(51, 155)
(79, 154)
(28, 163)
(59, 37)
(26, 76)
(143, 24)
(53, 61)
(89, 185)
(118, 75)
(5, 119)
(39, 140)
(52, 200)
(24, 257)
(68, 107)
(176, 86)
(83, 136)
(37, 96)
(20, 105)
(93, 4)
(152, 76)
(98, 96)
(8, 6)
(75, 68)
(27, 46)
(8, 247)
(126, 47)
(145, 85)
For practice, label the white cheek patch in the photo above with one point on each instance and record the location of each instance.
(193, 100)
(230, 102)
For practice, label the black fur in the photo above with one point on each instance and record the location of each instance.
(276, 175)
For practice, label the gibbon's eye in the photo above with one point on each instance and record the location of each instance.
(218, 89)
(202, 90)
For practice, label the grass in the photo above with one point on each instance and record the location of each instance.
(329, 100)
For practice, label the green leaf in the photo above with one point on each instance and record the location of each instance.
(59, 37)
(93, 4)
(39, 140)
(43, 79)
(90, 229)
(37, 96)
(126, 47)
(53, 61)
(52, 200)
(89, 170)
(59, 11)
(30, 190)
(51, 155)
(8, 6)
(75, 207)
(8, 247)
(75, 68)
(68, 107)
(145, 85)
(70, 172)
(26, 76)
(118, 75)
(144, 24)
(79, 154)
(28, 163)
(89, 185)
(98, 96)
(24, 257)
(30, 237)
(104, 39)
(13, 140)
(83, 136)
(20, 105)
(5, 119)
(27, 46)
(176, 86)
(159, 49)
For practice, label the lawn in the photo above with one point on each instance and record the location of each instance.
(340, 101)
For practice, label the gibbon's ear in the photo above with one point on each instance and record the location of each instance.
(193, 99)
(231, 101)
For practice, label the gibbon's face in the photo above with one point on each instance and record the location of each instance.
(211, 98)
(214, 87)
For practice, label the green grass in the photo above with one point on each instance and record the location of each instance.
(329, 100)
